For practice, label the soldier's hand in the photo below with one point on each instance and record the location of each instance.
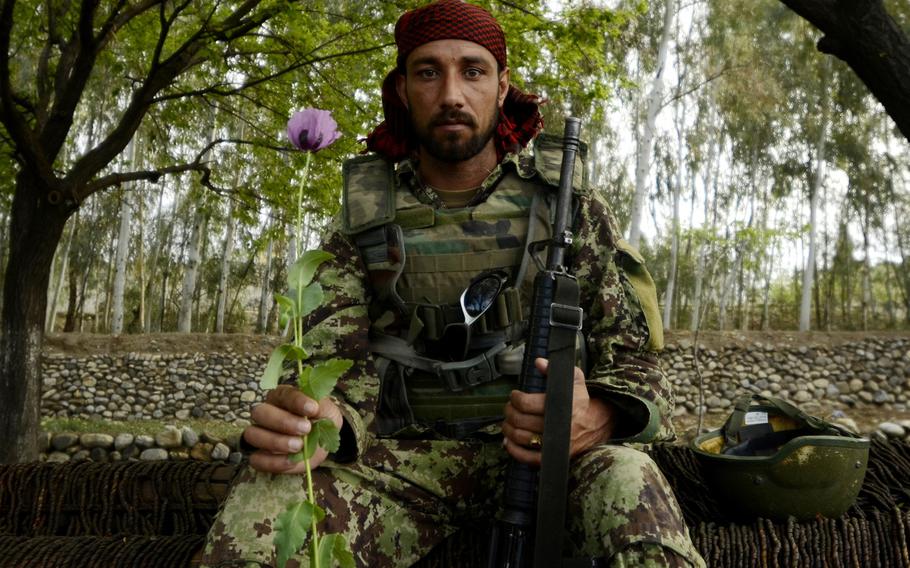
(279, 423)
(592, 420)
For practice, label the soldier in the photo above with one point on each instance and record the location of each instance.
(447, 201)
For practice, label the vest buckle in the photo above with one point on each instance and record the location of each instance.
(459, 375)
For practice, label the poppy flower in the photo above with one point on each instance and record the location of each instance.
(312, 129)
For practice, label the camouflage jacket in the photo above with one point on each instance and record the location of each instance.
(622, 326)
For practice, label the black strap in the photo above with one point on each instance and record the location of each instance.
(756, 402)
(565, 321)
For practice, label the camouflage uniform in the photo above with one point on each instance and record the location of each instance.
(398, 492)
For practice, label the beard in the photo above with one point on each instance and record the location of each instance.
(449, 146)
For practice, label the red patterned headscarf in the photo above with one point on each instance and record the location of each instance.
(519, 119)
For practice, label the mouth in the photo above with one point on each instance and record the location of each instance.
(453, 122)
(451, 126)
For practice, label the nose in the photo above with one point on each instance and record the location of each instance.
(452, 95)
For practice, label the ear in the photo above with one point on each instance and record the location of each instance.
(503, 86)
(401, 86)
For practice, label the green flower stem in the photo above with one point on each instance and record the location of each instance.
(312, 496)
(306, 176)
(298, 341)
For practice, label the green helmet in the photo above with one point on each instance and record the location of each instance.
(772, 460)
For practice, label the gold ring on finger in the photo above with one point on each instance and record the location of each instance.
(535, 443)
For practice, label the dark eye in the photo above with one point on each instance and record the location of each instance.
(427, 73)
(473, 73)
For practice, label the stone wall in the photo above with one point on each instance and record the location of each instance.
(873, 372)
(152, 385)
(170, 443)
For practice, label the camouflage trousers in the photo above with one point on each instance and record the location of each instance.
(403, 497)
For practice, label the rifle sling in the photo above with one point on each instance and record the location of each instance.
(565, 322)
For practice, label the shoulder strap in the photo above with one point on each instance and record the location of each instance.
(368, 197)
(548, 162)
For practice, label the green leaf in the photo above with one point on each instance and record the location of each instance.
(323, 435)
(310, 299)
(303, 381)
(342, 552)
(299, 456)
(272, 373)
(301, 273)
(287, 309)
(287, 306)
(324, 376)
(310, 445)
(291, 528)
(327, 435)
(334, 546)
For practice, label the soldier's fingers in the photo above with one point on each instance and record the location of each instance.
(521, 453)
(530, 422)
(271, 441)
(529, 403)
(292, 400)
(543, 366)
(518, 435)
(275, 463)
(279, 420)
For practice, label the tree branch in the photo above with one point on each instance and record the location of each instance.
(160, 75)
(124, 177)
(259, 80)
(41, 75)
(707, 80)
(27, 146)
(866, 37)
(73, 71)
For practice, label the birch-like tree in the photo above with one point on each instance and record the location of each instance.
(653, 103)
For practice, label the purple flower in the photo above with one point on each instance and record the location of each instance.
(312, 129)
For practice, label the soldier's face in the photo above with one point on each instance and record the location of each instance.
(453, 91)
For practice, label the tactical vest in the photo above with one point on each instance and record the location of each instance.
(419, 259)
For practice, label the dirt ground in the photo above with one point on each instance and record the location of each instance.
(867, 418)
(87, 344)
(92, 344)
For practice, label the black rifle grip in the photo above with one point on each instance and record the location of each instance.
(533, 380)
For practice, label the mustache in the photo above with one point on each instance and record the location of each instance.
(453, 116)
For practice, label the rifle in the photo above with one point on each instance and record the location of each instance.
(554, 323)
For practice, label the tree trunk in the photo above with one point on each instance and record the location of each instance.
(766, 295)
(64, 258)
(108, 287)
(123, 240)
(138, 325)
(646, 141)
(674, 254)
(226, 251)
(903, 275)
(199, 291)
(4, 233)
(265, 294)
(710, 184)
(69, 324)
(193, 257)
(83, 292)
(35, 230)
(867, 275)
(805, 305)
(153, 263)
(724, 292)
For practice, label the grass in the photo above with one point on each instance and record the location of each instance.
(218, 428)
